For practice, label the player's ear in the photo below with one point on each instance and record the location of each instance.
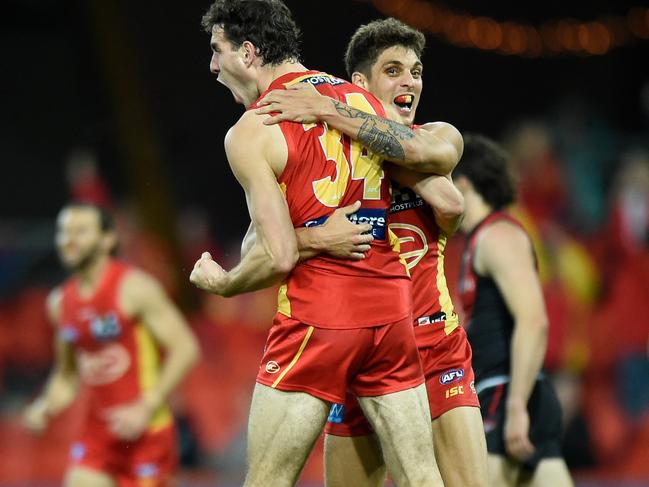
(250, 52)
(109, 242)
(359, 79)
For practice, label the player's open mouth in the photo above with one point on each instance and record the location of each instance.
(404, 102)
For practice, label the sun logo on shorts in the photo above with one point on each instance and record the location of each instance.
(272, 367)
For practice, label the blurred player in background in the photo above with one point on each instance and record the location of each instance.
(507, 326)
(112, 323)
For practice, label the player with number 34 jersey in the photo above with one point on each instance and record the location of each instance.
(323, 172)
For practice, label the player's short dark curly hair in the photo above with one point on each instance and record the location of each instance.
(487, 166)
(268, 24)
(370, 40)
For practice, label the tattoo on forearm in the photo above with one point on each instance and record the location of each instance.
(381, 136)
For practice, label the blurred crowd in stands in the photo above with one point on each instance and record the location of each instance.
(584, 196)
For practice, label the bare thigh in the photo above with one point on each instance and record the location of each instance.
(402, 422)
(461, 448)
(282, 429)
(353, 460)
(87, 477)
(551, 471)
(503, 472)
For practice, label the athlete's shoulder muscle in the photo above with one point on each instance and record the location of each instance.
(249, 143)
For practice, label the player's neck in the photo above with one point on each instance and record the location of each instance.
(270, 73)
(90, 275)
(476, 211)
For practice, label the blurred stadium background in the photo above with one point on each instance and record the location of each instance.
(112, 101)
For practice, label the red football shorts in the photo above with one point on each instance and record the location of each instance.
(150, 461)
(449, 383)
(327, 363)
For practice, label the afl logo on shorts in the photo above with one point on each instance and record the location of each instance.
(453, 375)
(272, 367)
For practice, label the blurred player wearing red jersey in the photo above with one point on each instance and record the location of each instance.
(384, 57)
(112, 324)
(341, 325)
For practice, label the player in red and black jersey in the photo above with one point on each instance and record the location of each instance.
(385, 57)
(507, 326)
(341, 326)
(112, 324)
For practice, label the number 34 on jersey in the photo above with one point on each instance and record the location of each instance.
(351, 160)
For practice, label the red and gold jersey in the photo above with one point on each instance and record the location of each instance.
(422, 245)
(116, 355)
(327, 170)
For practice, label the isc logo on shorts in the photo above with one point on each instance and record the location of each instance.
(336, 413)
(452, 375)
(454, 391)
(272, 367)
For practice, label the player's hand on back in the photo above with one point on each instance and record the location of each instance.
(208, 275)
(343, 239)
(298, 103)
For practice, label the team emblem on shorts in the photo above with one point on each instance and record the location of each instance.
(77, 451)
(336, 413)
(453, 375)
(272, 367)
(146, 470)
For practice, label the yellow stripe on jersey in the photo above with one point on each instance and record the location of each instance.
(309, 332)
(148, 359)
(445, 302)
(283, 303)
